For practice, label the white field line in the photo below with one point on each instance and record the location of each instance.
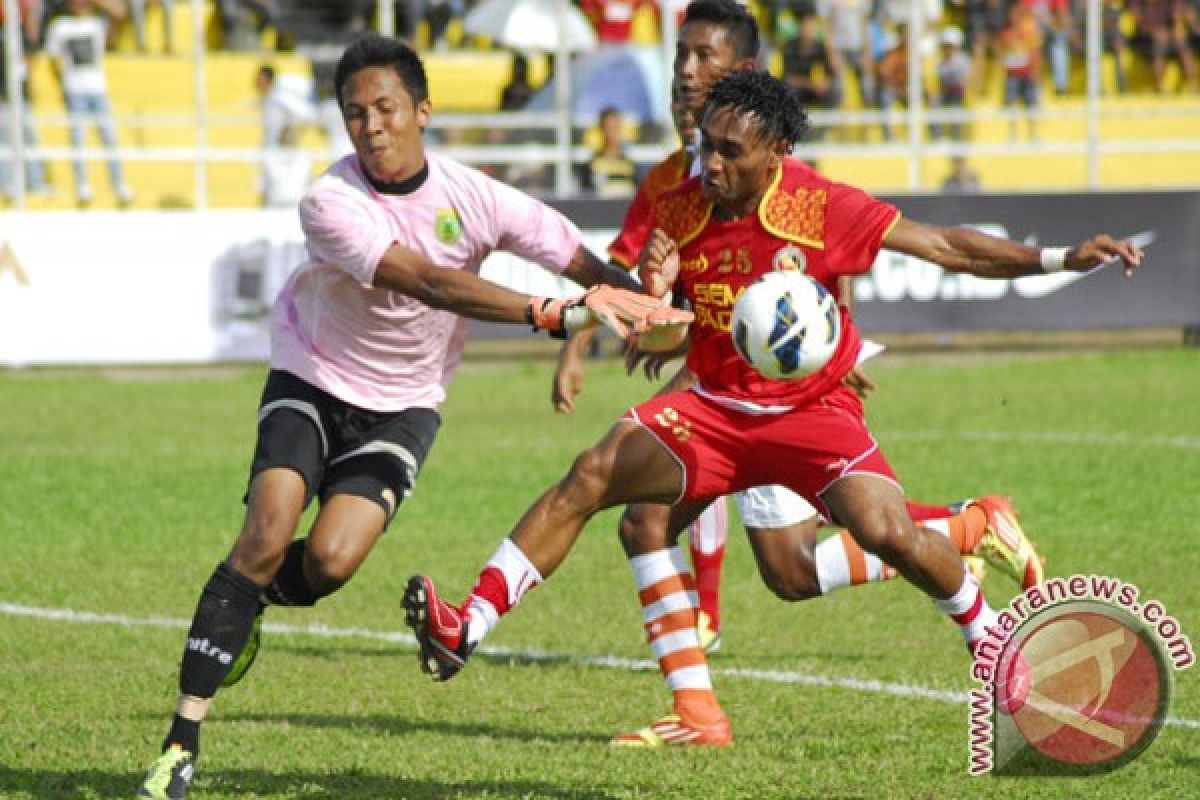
(1052, 437)
(607, 662)
(1023, 437)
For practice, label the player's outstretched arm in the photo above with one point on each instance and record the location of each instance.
(405, 270)
(587, 270)
(976, 253)
(409, 272)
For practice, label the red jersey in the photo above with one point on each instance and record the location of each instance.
(805, 222)
(639, 217)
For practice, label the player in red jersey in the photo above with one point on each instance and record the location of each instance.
(751, 210)
(718, 36)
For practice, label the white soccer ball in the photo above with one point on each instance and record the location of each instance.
(786, 325)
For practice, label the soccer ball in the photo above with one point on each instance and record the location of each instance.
(786, 325)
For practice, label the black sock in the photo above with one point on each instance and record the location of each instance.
(185, 733)
(220, 629)
(290, 587)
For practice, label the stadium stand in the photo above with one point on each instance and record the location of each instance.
(1149, 138)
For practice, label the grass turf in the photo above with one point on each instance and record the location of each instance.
(119, 494)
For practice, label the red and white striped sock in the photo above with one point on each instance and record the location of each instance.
(505, 579)
(706, 540)
(969, 610)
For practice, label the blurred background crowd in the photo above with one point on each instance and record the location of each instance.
(107, 81)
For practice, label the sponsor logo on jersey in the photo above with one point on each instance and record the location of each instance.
(789, 258)
(448, 226)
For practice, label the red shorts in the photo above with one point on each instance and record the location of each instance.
(723, 450)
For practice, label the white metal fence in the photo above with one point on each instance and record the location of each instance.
(554, 131)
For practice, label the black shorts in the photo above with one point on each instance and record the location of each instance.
(339, 448)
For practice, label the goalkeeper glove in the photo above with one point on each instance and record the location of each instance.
(617, 309)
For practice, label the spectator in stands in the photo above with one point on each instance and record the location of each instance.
(953, 77)
(1056, 26)
(847, 24)
(519, 91)
(243, 22)
(813, 67)
(75, 42)
(36, 176)
(985, 20)
(1021, 51)
(327, 112)
(962, 179)
(891, 73)
(610, 172)
(287, 106)
(1188, 15)
(137, 14)
(1114, 38)
(438, 14)
(286, 171)
(1162, 26)
(404, 15)
(612, 19)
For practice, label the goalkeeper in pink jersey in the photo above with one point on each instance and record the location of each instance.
(365, 338)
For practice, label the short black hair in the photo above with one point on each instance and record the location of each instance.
(756, 92)
(375, 50)
(738, 23)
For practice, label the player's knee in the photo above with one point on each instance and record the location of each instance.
(260, 547)
(643, 529)
(887, 536)
(792, 579)
(328, 568)
(792, 585)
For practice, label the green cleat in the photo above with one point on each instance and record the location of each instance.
(710, 637)
(246, 659)
(1004, 544)
(170, 776)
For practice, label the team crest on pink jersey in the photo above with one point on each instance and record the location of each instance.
(448, 226)
(789, 258)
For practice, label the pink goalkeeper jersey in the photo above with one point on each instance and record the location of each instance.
(376, 348)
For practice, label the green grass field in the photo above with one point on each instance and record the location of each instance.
(119, 493)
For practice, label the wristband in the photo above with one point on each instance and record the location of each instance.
(1054, 258)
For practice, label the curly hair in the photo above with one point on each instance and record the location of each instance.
(375, 50)
(772, 102)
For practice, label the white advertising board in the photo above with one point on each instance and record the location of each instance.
(162, 287)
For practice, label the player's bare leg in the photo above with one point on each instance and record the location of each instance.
(628, 465)
(872, 508)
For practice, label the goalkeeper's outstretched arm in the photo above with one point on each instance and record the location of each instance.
(405, 270)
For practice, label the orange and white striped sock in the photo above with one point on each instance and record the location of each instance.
(668, 596)
(841, 562)
(965, 529)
